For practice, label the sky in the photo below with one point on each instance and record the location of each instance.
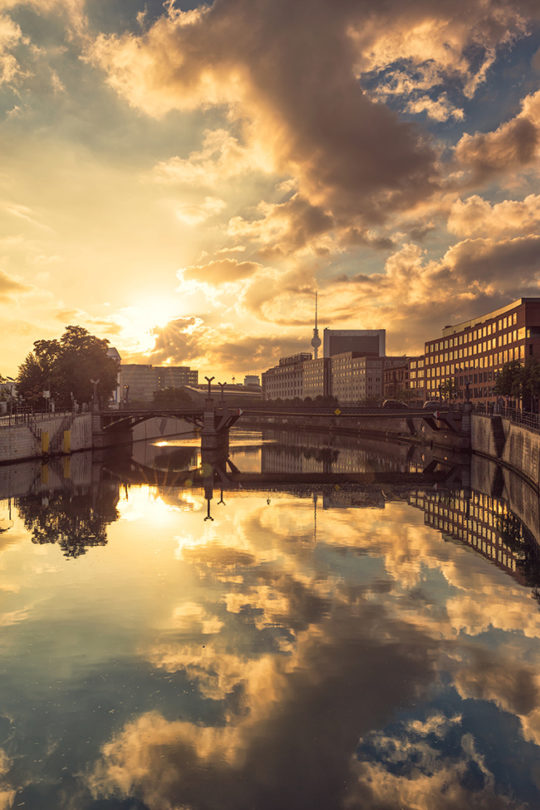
(180, 178)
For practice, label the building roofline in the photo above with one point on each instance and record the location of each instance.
(460, 327)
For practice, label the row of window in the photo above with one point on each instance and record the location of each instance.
(474, 334)
(479, 348)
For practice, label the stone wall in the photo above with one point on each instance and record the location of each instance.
(513, 445)
(45, 436)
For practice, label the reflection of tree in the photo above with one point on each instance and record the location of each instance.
(74, 520)
(179, 458)
(521, 540)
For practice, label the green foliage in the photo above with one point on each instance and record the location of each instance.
(520, 381)
(508, 382)
(172, 398)
(66, 366)
(448, 388)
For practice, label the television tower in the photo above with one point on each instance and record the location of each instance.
(315, 340)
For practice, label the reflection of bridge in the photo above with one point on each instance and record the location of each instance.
(223, 472)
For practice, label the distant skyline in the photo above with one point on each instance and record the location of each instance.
(180, 178)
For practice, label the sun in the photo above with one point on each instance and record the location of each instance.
(139, 322)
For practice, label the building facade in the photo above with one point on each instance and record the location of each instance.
(417, 385)
(396, 380)
(473, 352)
(358, 377)
(316, 378)
(285, 381)
(138, 382)
(360, 341)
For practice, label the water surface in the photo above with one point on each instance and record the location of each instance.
(333, 648)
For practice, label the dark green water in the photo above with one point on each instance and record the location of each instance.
(337, 648)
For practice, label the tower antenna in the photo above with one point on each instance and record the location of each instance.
(315, 340)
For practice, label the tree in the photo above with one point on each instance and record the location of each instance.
(448, 388)
(530, 383)
(508, 382)
(520, 382)
(172, 398)
(65, 367)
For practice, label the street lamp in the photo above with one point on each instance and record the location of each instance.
(209, 381)
(95, 384)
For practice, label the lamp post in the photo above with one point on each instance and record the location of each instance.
(209, 381)
(95, 384)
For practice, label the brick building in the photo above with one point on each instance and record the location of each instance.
(475, 351)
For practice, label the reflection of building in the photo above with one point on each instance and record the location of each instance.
(362, 341)
(475, 351)
(138, 382)
(480, 521)
(347, 499)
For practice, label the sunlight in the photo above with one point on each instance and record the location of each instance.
(139, 321)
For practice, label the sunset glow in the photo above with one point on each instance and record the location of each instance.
(203, 168)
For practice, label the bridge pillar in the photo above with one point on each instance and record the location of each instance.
(213, 439)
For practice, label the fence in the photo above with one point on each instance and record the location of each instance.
(524, 418)
(29, 419)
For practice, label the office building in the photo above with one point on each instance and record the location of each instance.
(417, 385)
(285, 381)
(360, 341)
(316, 378)
(138, 382)
(357, 378)
(475, 351)
(396, 380)
(252, 379)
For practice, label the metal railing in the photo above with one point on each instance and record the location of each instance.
(518, 417)
(29, 419)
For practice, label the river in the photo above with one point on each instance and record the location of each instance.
(291, 647)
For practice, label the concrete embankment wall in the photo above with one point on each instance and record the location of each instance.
(50, 435)
(43, 436)
(515, 446)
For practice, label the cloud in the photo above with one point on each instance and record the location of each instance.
(440, 109)
(513, 146)
(220, 271)
(271, 752)
(308, 115)
(10, 287)
(221, 157)
(476, 216)
(286, 228)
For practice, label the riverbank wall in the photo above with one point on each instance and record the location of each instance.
(42, 436)
(512, 445)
